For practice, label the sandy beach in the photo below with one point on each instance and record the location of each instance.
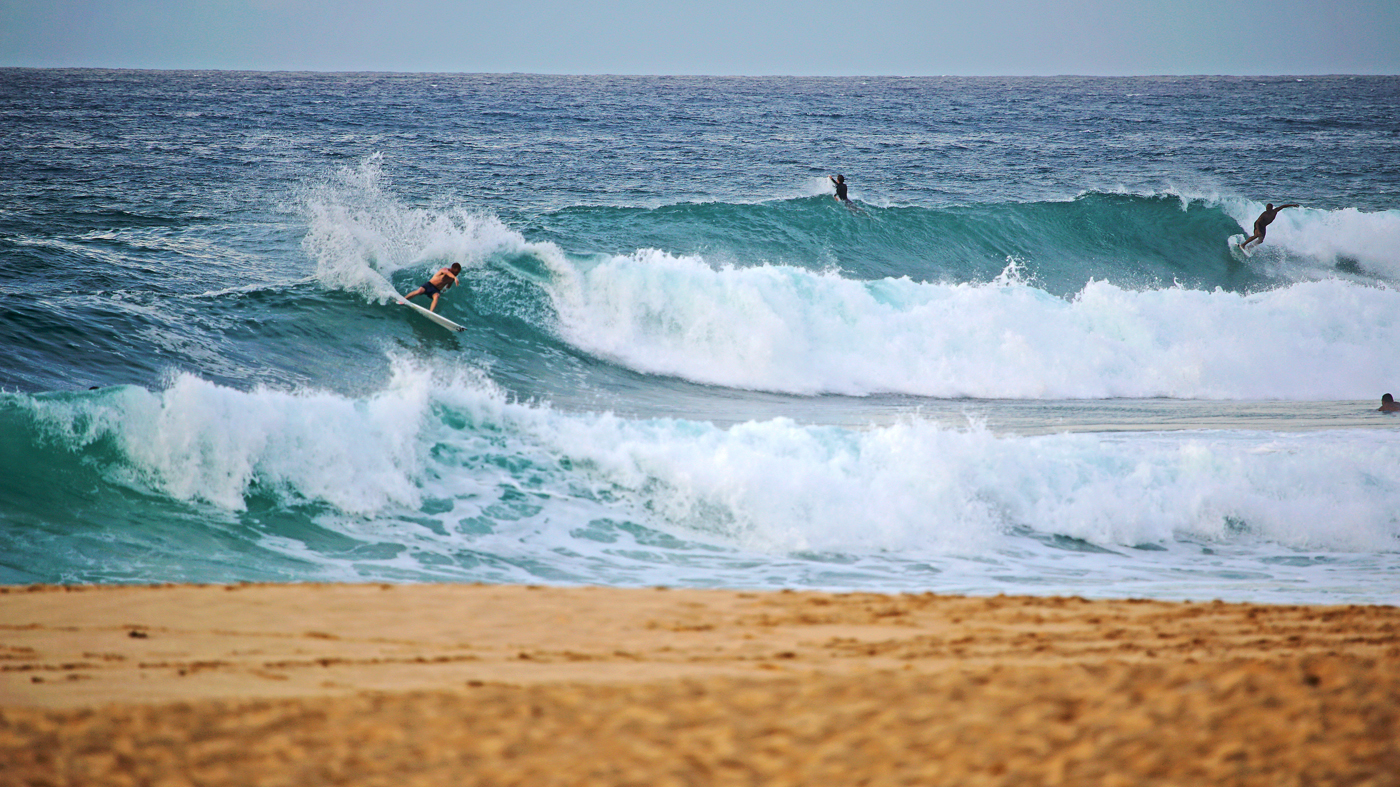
(510, 685)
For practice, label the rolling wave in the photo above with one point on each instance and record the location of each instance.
(1136, 241)
(445, 478)
(725, 314)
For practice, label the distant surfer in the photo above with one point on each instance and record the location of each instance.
(1260, 224)
(1389, 405)
(840, 182)
(444, 278)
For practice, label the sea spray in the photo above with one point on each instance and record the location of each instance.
(359, 235)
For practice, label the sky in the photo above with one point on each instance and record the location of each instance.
(716, 37)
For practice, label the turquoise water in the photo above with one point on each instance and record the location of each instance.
(1024, 360)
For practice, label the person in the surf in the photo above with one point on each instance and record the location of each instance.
(840, 182)
(1389, 405)
(1265, 219)
(444, 278)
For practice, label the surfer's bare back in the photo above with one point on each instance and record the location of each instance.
(1265, 219)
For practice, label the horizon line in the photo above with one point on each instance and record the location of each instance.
(1060, 75)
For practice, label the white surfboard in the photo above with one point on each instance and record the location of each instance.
(434, 316)
(1236, 251)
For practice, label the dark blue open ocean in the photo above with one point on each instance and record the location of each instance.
(1025, 360)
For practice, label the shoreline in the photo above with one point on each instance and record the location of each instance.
(490, 684)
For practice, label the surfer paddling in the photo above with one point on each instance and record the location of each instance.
(444, 278)
(1265, 219)
(1389, 405)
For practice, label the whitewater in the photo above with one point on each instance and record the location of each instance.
(1027, 360)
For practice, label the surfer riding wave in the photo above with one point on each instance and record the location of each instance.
(443, 279)
(1262, 223)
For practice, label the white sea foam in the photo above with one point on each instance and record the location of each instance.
(777, 486)
(198, 441)
(787, 329)
(445, 478)
(768, 487)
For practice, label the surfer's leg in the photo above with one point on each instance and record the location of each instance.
(433, 306)
(414, 294)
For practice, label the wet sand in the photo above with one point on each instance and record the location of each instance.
(509, 685)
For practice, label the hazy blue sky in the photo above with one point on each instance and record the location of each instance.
(836, 37)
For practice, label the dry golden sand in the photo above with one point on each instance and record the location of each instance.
(493, 685)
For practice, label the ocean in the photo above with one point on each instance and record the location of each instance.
(1025, 359)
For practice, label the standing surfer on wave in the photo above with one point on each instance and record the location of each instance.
(437, 284)
(1265, 219)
